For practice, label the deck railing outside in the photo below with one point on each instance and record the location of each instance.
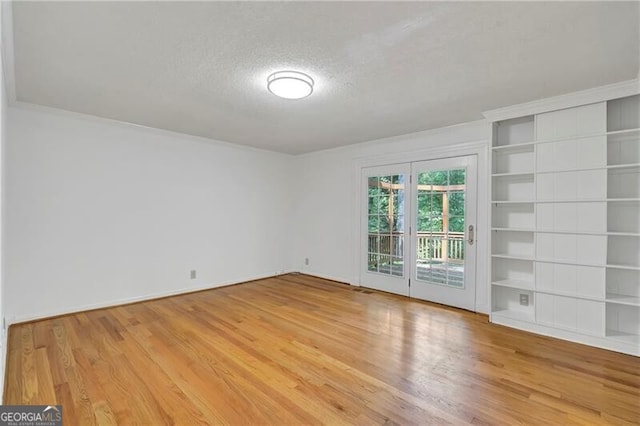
(431, 246)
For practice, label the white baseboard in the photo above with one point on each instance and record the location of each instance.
(3, 359)
(482, 309)
(126, 301)
(327, 277)
(159, 295)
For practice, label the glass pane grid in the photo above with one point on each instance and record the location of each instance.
(386, 225)
(440, 227)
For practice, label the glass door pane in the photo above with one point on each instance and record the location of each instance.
(384, 264)
(443, 248)
(385, 247)
(440, 227)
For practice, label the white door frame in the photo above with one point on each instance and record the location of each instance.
(481, 149)
(465, 297)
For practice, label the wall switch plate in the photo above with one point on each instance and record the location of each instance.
(192, 274)
(524, 299)
(306, 261)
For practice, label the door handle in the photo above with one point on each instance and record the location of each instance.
(471, 232)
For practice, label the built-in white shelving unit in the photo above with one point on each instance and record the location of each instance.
(565, 218)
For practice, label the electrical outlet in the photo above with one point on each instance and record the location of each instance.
(306, 261)
(192, 274)
(524, 299)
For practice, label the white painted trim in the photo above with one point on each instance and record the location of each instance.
(8, 72)
(489, 224)
(419, 155)
(328, 277)
(138, 127)
(569, 100)
(477, 126)
(127, 301)
(484, 308)
(4, 339)
(8, 58)
(480, 148)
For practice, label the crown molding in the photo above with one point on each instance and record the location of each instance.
(467, 131)
(8, 58)
(569, 100)
(63, 113)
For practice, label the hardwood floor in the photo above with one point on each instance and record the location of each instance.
(302, 350)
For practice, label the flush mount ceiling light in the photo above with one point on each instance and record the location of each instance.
(290, 84)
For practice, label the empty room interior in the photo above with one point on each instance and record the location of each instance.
(320, 212)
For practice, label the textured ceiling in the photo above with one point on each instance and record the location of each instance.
(381, 69)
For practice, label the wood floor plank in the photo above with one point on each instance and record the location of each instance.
(46, 389)
(297, 349)
(29, 375)
(104, 415)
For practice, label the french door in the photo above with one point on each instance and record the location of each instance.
(385, 228)
(418, 230)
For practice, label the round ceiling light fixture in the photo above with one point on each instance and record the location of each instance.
(290, 84)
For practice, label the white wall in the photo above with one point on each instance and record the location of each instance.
(99, 213)
(325, 209)
(3, 138)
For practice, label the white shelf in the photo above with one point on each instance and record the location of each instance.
(513, 229)
(513, 202)
(622, 200)
(546, 231)
(566, 216)
(623, 182)
(568, 294)
(623, 166)
(562, 139)
(582, 169)
(625, 132)
(514, 174)
(628, 267)
(514, 147)
(571, 170)
(516, 315)
(506, 256)
(623, 234)
(513, 216)
(517, 284)
(623, 149)
(623, 337)
(566, 262)
(592, 200)
(570, 262)
(570, 138)
(623, 218)
(568, 200)
(623, 299)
